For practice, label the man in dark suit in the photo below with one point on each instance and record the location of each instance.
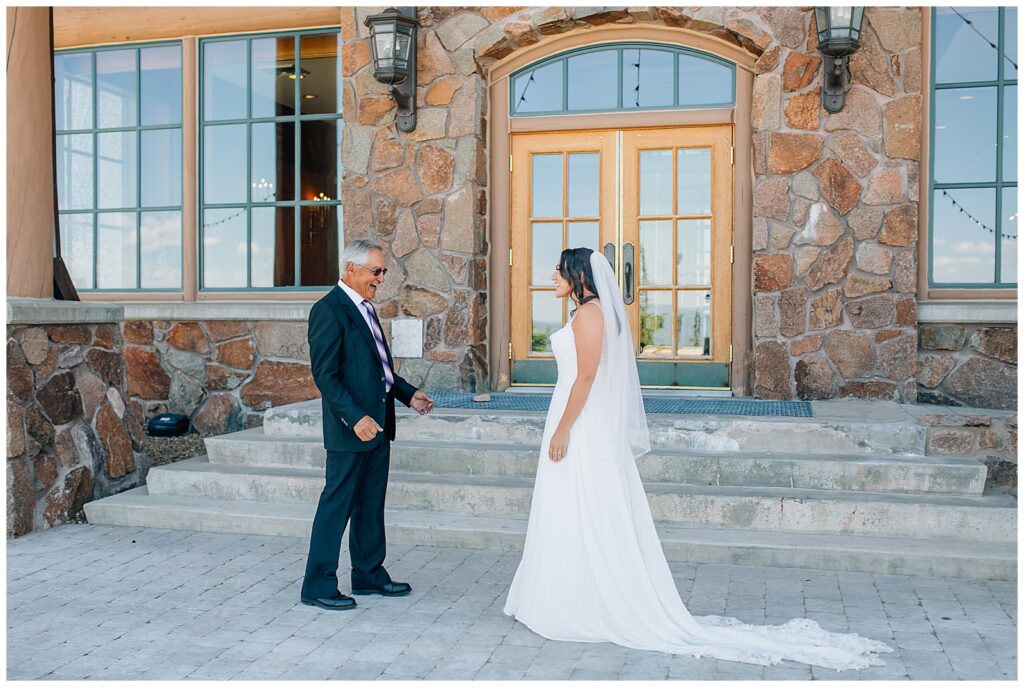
(353, 369)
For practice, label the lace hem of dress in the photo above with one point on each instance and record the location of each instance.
(800, 639)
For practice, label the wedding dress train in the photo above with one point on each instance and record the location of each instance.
(593, 569)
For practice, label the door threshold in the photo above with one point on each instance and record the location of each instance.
(650, 393)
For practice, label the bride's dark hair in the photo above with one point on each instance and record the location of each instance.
(574, 266)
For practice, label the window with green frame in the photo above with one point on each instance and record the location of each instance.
(270, 161)
(119, 151)
(973, 210)
(622, 77)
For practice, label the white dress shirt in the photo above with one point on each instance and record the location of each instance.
(358, 300)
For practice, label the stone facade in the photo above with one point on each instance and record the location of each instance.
(835, 196)
(835, 212)
(79, 397)
(967, 365)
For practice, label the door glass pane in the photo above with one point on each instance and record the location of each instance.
(319, 84)
(656, 253)
(539, 90)
(590, 74)
(655, 182)
(224, 80)
(161, 167)
(963, 249)
(547, 185)
(584, 169)
(694, 173)
(116, 97)
(74, 172)
(694, 252)
(160, 237)
(546, 319)
(272, 253)
(545, 249)
(116, 238)
(319, 160)
(73, 90)
(965, 145)
(76, 248)
(224, 157)
(962, 51)
(161, 84)
(693, 323)
(647, 78)
(583, 235)
(116, 171)
(703, 82)
(273, 76)
(318, 250)
(273, 162)
(656, 323)
(1008, 258)
(224, 247)
(1010, 133)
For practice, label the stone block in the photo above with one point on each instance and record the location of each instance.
(996, 342)
(983, 383)
(188, 336)
(284, 339)
(814, 377)
(838, 186)
(60, 400)
(932, 369)
(278, 383)
(117, 443)
(850, 353)
(941, 337)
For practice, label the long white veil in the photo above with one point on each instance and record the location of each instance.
(621, 381)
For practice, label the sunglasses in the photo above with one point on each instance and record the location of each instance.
(377, 271)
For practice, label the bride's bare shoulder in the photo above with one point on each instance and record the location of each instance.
(588, 319)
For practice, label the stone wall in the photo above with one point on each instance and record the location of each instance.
(79, 397)
(989, 436)
(968, 365)
(835, 213)
(835, 199)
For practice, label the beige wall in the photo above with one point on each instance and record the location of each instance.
(30, 176)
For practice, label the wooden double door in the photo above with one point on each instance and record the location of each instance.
(658, 203)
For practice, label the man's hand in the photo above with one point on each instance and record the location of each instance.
(421, 403)
(367, 428)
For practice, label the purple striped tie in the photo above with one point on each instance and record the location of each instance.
(378, 337)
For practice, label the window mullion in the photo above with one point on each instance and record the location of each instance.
(248, 164)
(138, 168)
(297, 165)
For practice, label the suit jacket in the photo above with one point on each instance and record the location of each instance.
(346, 368)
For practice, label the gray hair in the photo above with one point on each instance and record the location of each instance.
(358, 252)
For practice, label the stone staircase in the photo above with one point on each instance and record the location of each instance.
(848, 490)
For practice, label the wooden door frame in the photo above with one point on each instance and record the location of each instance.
(499, 178)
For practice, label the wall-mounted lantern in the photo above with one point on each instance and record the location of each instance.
(393, 42)
(838, 38)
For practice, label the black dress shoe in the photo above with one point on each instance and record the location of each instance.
(332, 603)
(388, 589)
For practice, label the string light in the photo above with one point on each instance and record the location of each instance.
(522, 98)
(982, 225)
(637, 89)
(990, 43)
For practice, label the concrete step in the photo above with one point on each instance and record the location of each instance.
(897, 556)
(974, 518)
(845, 429)
(881, 473)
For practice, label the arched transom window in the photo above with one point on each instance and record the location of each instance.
(623, 77)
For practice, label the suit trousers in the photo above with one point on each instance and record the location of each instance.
(353, 495)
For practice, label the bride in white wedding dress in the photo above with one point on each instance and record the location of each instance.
(592, 568)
